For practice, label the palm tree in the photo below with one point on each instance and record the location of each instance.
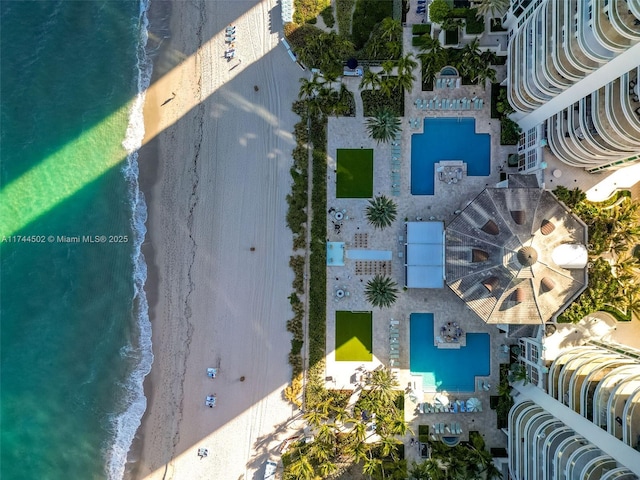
(492, 472)
(456, 469)
(301, 468)
(359, 431)
(405, 77)
(390, 29)
(398, 426)
(309, 88)
(371, 465)
(389, 447)
(370, 79)
(315, 417)
(433, 58)
(326, 434)
(495, 7)
(433, 469)
(327, 468)
(357, 450)
(383, 385)
(384, 126)
(381, 212)
(320, 451)
(381, 291)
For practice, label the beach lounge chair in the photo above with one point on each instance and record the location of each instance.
(212, 372)
(210, 401)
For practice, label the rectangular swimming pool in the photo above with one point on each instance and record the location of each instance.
(447, 139)
(454, 370)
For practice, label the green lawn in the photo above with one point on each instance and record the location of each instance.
(353, 337)
(355, 173)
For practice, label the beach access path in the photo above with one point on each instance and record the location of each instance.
(215, 173)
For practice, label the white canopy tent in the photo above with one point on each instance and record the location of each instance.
(424, 265)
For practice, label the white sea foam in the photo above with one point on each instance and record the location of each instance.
(126, 424)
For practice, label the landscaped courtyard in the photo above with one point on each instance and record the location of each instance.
(353, 336)
(355, 173)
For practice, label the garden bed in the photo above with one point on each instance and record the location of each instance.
(375, 100)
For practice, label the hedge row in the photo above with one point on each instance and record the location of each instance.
(307, 10)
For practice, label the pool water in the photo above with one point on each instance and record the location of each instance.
(453, 370)
(447, 139)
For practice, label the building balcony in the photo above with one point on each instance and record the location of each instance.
(604, 31)
(623, 20)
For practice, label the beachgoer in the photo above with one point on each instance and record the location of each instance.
(256, 88)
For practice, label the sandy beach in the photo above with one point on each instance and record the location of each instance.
(215, 173)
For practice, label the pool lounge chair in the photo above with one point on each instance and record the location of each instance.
(458, 428)
(462, 405)
(394, 356)
(455, 407)
(394, 322)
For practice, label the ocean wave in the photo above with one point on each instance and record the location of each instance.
(126, 424)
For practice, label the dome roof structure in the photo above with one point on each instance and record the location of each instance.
(507, 255)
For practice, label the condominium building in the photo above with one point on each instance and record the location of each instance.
(572, 77)
(586, 425)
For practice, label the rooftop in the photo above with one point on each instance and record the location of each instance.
(510, 255)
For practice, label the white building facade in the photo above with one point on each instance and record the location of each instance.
(572, 77)
(586, 425)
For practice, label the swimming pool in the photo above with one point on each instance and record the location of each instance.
(454, 370)
(447, 139)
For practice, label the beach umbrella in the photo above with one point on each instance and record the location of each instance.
(352, 63)
(442, 399)
(474, 405)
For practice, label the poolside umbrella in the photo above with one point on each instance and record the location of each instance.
(352, 63)
(474, 405)
(442, 399)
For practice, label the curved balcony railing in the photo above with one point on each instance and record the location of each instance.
(623, 20)
(604, 31)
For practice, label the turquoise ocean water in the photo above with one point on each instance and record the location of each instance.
(75, 336)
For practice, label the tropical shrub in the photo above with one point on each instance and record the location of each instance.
(344, 10)
(439, 10)
(474, 24)
(509, 132)
(306, 10)
(374, 100)
(367, 14)
(327, 17)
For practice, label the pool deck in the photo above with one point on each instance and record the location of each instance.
(355, 232)
(443, 303)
